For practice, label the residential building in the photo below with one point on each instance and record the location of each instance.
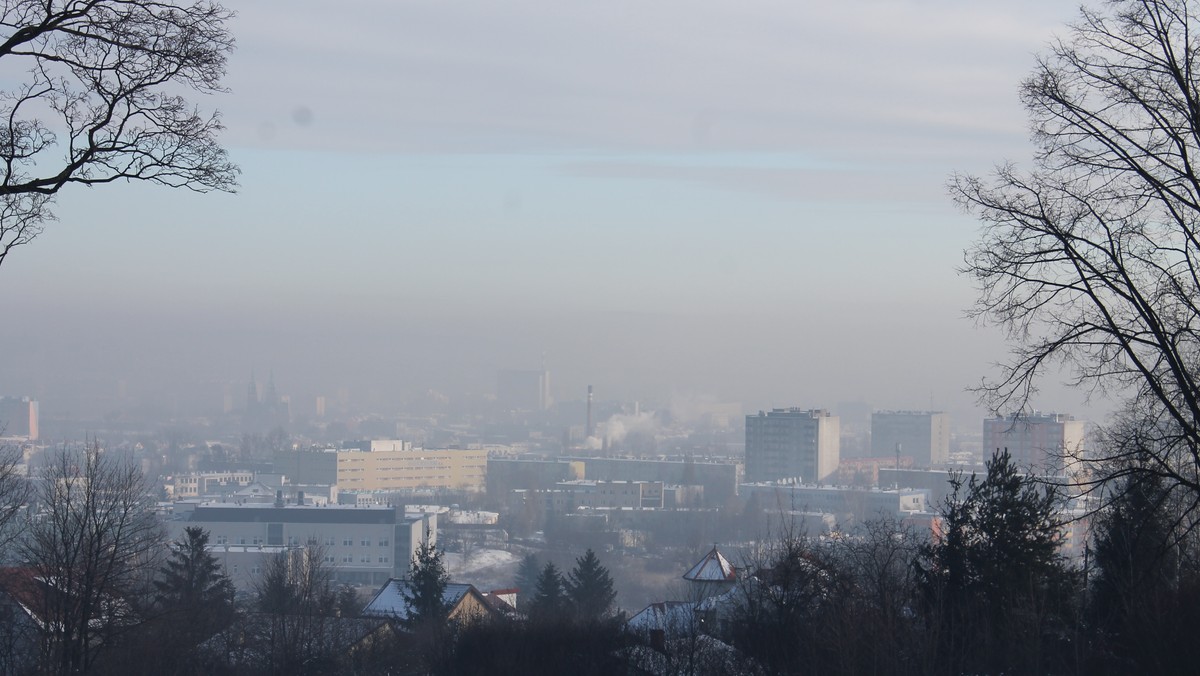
(922, 435)
(1044, 443)
(792, 444)
(466, 604)
(19, 417)
(525, 391)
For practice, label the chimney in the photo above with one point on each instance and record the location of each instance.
(299, 497)
(279, 498)
(587, 432)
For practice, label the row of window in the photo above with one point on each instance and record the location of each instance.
(293, 541)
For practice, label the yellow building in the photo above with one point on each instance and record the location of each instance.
(386, 465)
(390, 470)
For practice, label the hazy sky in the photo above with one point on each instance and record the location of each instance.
(738, 199)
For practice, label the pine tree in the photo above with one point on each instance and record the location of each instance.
(192, 584)
(590, 588)
(549, 598)
(425, 597)
(527, 579)
(995, 579)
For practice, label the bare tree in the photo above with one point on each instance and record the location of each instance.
(99, 101)
(14, 497)
(1091, 260)
(92, 541)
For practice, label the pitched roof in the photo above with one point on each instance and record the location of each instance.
(714, 567)
(671, 616)
(391, 600)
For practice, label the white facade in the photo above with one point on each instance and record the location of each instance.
(363, 545)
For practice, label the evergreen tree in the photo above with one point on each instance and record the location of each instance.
(589, 588)
(549, 598)
(1145, 590)
(195, 598)
(527, 579)
(425, 596)
(994, 580)
(191, 580)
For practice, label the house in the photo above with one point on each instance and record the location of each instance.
(466, 603)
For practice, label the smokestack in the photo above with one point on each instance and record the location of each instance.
(588, 431)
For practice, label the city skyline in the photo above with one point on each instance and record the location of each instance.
(744, 204)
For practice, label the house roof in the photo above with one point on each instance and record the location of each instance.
(390, 601)
(714, 567)
(671, 616)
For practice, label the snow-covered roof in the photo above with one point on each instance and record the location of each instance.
(714, 567)
(390, 601)
(670, 616)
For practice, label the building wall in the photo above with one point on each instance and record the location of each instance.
(508, 474)
(209, 483)
(19, 417)
(405, 468)
(858, 503)
(307, 467)
(792, 443)
(1041, 442)
(363, 545)
(720, 479)
(922, 435)
(447, 469)
(609, 494)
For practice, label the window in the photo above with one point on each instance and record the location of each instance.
(383, 559)
(366, 542)
(347, 559)
(329, 541)
(349, 542)
(383, 543)
(222, 540)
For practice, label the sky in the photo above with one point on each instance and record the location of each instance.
(744, 201)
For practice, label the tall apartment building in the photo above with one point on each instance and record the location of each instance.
(523, 390)
(792, 443)
(1042, 442)
(922, 435)
(19, 417)
(386, 465)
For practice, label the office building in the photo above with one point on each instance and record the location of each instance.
(792, 444)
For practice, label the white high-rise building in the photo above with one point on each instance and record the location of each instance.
(922, 435)
(1044, 443)
(792, 443)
